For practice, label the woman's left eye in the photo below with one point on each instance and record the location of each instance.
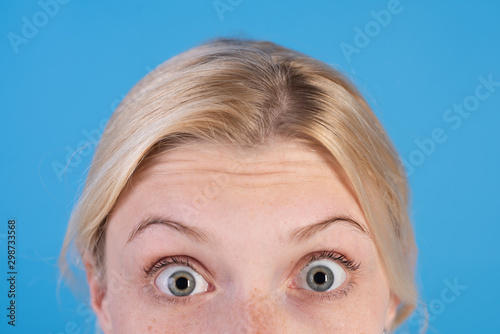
(180, 281)
(321, 276)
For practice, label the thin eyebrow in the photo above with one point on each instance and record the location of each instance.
(301, 234)
(190, 232)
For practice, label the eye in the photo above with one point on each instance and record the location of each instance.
(321, 276)
(180, 281)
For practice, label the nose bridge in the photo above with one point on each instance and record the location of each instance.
(255, 313)
(251, 289)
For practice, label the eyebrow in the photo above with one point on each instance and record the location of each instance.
(190, 232)
(296, 236)
(301, 234)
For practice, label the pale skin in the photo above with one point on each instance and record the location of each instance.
(241, 219)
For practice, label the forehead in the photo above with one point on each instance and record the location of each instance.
(209, 181)
(293, 161)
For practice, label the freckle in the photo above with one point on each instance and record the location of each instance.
(149, 328)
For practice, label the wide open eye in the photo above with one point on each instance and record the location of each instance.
(180, 281)
(321, 276)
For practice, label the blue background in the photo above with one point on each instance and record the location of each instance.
(60, 82)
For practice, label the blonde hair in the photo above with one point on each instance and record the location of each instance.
(245, 93)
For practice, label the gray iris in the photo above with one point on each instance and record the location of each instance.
(181, 283)
(320, 278)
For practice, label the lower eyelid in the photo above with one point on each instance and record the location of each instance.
(160, 297)
(341, 292)
(154, 292)
(309, 295)
(304, 295)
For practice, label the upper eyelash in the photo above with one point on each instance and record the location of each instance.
(332, 255)
(350, 264)
(151, 269)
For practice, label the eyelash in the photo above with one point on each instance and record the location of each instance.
(154, 267)
(165, 262)
(350, 265)
(337, 257)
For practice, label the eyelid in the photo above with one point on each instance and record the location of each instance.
(165, 299)
(307, 295)
(350, 266)
(166, 261)
(342, 259)
(152, 271)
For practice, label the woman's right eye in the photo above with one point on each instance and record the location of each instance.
(180, 281)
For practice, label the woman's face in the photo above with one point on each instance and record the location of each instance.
(208, 240)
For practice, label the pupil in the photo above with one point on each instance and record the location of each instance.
(319, 278)
(181, 283)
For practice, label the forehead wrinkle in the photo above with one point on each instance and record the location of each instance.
(236, 179)
(306, 169)
(303, 174)
(235, 166)
(283, 154)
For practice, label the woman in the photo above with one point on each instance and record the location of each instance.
(245, 188)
